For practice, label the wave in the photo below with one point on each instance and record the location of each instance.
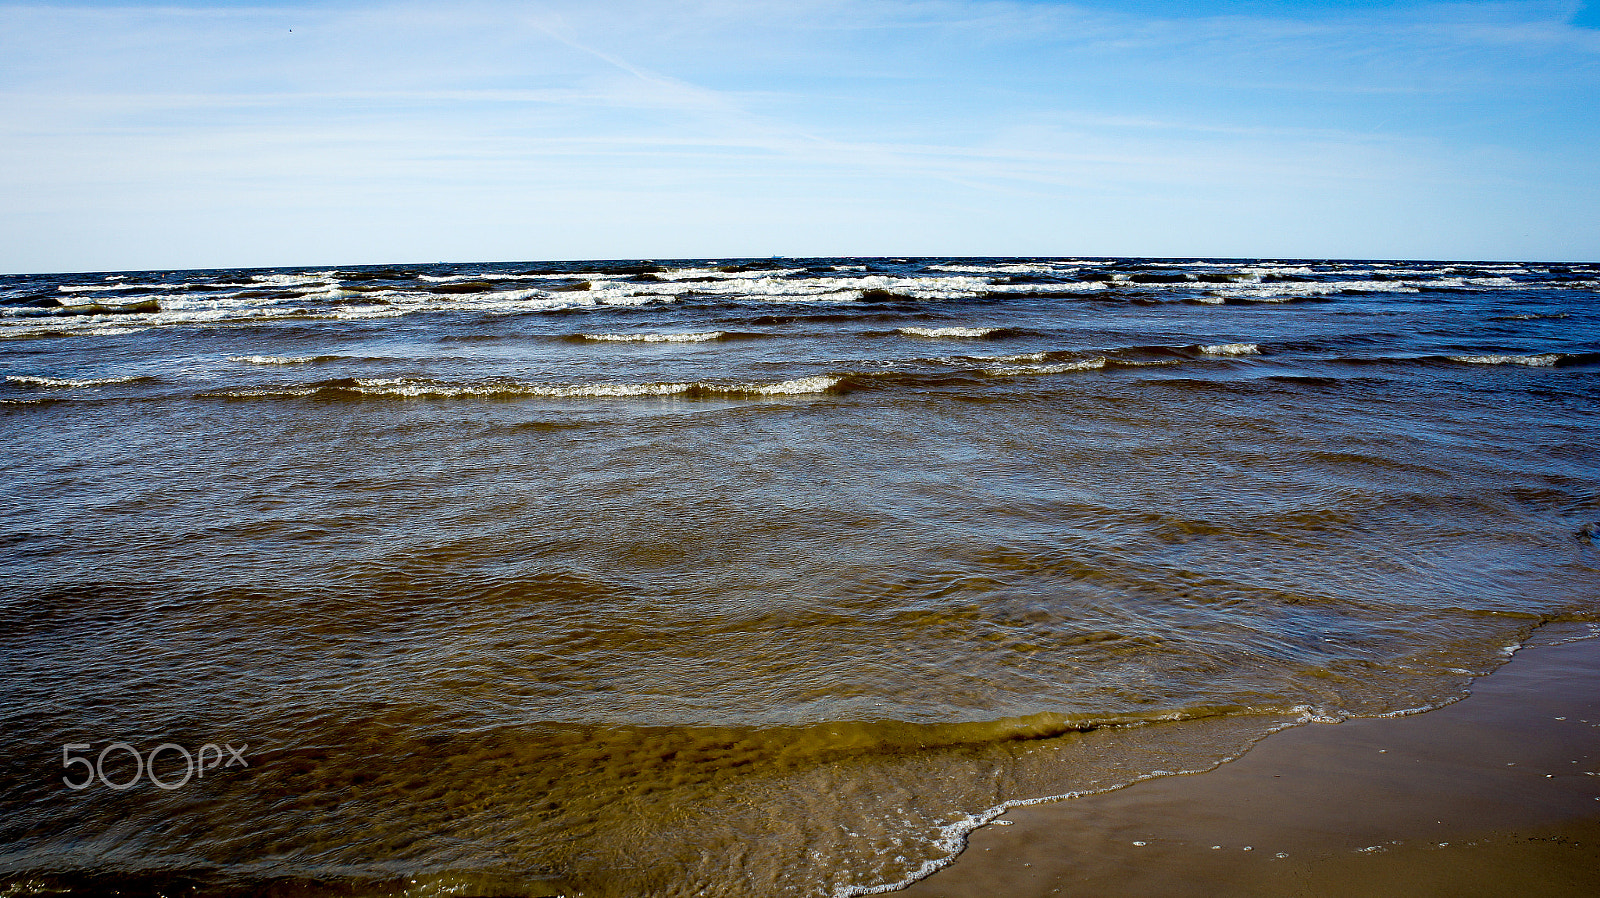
(974, 370)
(459, 278)
(1232, 349)
(70, 383)
(701, 337)
(115, 288)
(1526, 360)
(1092, 287)
(1542, 360)
(83, 306)
(279, 359)
(294, 279)
(1049, 368)
(726, 272)
(956, 332)
(417, 388)
(1005, 268)
(134, 307)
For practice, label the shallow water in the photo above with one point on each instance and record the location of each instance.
(743, 577)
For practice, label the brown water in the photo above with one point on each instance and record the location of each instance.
(743, 580)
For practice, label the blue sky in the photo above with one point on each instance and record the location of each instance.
(226, 134)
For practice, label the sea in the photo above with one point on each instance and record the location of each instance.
(741, 577)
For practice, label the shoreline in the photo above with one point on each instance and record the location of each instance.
(1497, 793)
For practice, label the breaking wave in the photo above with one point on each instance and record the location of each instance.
(71, 383)
(276, 359)
(702, 337)
(1232, 349)
(957, 332)
(1543, 360)
(418, 388)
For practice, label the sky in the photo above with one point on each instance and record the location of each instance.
(140, 136)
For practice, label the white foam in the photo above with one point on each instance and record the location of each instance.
(67, 382)
(820, 383)
(328, 292)
(1058, 368)
(1004, 268)
(1533, 361)
(1012, 359)
(952, 838)
(96, 288)
(294, 280)
(307, 289)
(358, 313)
(780, 289)
(1288, 292)
(271, 359)
(1232, 349)
(606, 391)
(1271, 270)
(678, 274)
(1067, 287)
(703, 337)
(947, 331)
(1309, 714)
(455, 278)
(396, 386)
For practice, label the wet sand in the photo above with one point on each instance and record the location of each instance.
(1497, 794)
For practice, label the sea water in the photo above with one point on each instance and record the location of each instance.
(740, 577)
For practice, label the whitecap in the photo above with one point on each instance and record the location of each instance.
(294, 280)
(1287, 292)
(1013, 359)
(271, 359)
(98, 288)
(796, 387)
(1050, 288)
(1232, 349)
(1057, 368)
(1003, 268)
(1533, 361)
(679, 274)
(937, 332)
(820, 383)
(703, 337)
(32, 381)
(410, 388)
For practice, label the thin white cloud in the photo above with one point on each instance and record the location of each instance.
(953, 123)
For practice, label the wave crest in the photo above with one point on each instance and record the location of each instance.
(946, 332)
(702, 337)
(1232, 349)
(65, 382)
(1544, 360)
(406, 388)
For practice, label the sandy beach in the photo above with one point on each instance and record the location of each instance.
(1498, 794)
